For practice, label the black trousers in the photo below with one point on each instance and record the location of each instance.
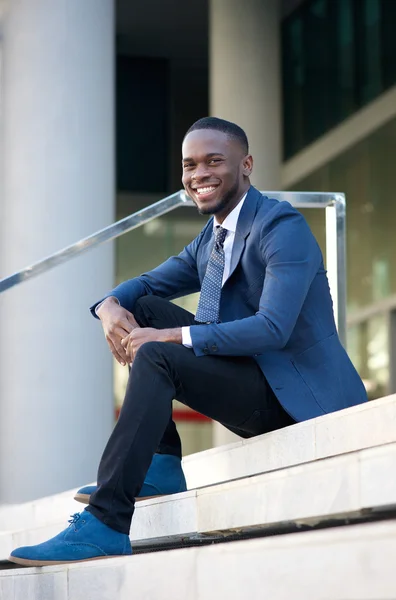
(230, 390)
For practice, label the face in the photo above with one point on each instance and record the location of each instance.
(215, 171)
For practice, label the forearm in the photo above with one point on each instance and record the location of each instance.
(171, 335)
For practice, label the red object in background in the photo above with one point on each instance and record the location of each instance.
(189, 416)
(183, 416)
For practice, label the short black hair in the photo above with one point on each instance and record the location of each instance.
(230, 129)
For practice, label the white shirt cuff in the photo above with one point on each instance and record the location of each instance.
(100, 304)
(186, 337)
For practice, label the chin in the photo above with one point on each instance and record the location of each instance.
(212, 209)
(205, 210)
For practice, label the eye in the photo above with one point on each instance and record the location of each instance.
(187, 165)
(215, 160)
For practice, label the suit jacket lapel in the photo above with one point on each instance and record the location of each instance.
(244, 225)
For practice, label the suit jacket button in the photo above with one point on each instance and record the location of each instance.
(214, 348)
(206, 350)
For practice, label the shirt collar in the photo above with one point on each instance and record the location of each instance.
(230, 222)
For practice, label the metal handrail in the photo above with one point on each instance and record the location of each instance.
(335, 241)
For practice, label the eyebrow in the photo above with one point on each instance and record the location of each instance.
(210, 155)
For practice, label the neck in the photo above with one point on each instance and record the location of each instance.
(223, 214)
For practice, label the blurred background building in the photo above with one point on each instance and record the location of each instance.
(95, 97)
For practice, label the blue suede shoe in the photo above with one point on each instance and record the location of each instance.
(86, 538)
(165, 476)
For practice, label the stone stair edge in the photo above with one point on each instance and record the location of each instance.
(181, 512)
(312, 564)
(368, 406)
(189, 460)
(386, 528)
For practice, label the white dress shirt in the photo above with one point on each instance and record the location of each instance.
(229, 223)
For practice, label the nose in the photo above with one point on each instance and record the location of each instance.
(201, 172)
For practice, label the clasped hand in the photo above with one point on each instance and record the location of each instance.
(124, 335)
(139, 336)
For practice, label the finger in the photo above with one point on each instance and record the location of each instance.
(120, 324)
(124, 342)
(118, 335)
(116, 341)
(114, 352)
(132, 320)
(124, 327)
(130, 349)
(115, 333)
(121, 351)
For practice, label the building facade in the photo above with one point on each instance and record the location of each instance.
(95, 98)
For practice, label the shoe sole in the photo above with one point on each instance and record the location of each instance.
(84, 498)
(24, 562)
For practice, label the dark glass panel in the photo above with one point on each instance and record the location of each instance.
(142, 124)
(293, 84)
(388, 9)
(345, 94)
(368, 19)
(317, 59)
(338, 55)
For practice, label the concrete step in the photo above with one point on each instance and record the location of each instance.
(355, 485)
(346, 563)
(41, 512)
(363, 426)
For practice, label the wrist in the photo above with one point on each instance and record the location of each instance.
(105, 304)
(172, 335)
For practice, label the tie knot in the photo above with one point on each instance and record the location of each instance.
(220, 235)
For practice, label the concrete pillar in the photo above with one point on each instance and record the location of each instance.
(245, 82)
(56, 393)
(244, 66)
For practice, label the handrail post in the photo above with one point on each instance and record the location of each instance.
(336, 260)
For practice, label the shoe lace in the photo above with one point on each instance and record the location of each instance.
(74, 519)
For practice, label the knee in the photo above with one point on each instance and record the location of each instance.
(141, 304)
(146, 308)
(155, 357)
(142, 310)
(143, 301)
(151, 351)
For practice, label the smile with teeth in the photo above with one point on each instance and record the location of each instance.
(206, 190)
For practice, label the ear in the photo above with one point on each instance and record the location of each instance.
(247, 165)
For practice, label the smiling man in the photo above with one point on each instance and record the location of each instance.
(261, 353)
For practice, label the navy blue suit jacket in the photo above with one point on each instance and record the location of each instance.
(275, 306)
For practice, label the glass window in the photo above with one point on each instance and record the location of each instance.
(337, 56)
(316, 57)
(369, 50)
(378, 356)
(343, 95)
(368, 348)
(293, 85)
(388, 12)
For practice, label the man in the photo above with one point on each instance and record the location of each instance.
(261, 353)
